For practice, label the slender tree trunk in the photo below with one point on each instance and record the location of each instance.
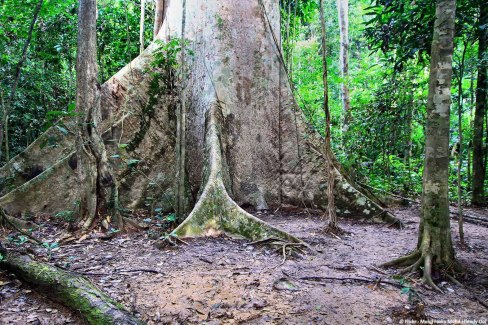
(460, 147)
(181, 131)
(99, 192)
(7, 142)
(4, 113)
(479, 168)
(141, 27)
(343, 10)
(471, 106)
(408, 144)
(287, 53)
(331, 209)
(435, 232)
(434, 248)
(18, 70)
(159, 16)
(292, 44)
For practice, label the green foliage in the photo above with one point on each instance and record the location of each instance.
(18, 240)
(166, 63)
(67, 216)
(403, 29)
(49, 248)
(407, 287)
(388, 82)
(46, 91)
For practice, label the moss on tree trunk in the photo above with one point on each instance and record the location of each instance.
(74, 291)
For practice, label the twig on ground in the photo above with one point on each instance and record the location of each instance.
(121, 271)
(374, 268)
(321, 280)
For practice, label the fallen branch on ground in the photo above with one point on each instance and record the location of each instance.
(72, 290)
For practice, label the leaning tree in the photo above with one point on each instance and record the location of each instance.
(204, 123)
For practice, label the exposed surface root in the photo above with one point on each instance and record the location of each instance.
(283, 247)
(215, 212)
(334, 231)
(17, 224)
(129, 223)
(404, 260)
(414, 262)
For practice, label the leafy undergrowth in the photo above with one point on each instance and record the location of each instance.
(229, 281)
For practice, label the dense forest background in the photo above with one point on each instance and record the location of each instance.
(382, 144)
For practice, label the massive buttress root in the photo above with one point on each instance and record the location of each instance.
(215, 211)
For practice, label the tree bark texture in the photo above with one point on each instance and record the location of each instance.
(435, 231)
(343, 11)
(98, 193)
(160, 12)
(479, 162)
(434, 247)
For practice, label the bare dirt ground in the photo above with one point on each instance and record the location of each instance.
(228, 281)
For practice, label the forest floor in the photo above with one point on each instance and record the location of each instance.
(228, 281)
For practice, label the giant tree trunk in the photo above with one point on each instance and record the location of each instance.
(479, 166)
(434, 248)
(246, 142)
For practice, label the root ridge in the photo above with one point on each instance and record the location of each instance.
(216, 212)
(417, 261)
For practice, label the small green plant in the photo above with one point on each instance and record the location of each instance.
(171, 217)
(123, 156)
(67, 215)
(220, 22)
(113, 231)
(166, 63)
(49, 248)
(17, 240)
(168, 237)
(2, 257)
(407, 288)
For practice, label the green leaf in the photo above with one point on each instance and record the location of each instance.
(132, 162)
(171, 217)
(62, 130)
